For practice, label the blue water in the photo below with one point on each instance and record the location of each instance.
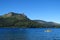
(29, 34)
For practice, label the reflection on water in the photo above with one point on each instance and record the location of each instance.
(29, 34)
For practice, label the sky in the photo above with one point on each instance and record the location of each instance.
(47, 10)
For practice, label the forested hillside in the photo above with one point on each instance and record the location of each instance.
(20, 20)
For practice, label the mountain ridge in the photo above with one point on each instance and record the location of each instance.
(13, 19)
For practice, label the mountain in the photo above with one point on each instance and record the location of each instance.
(20, 20)
(20, 16)
(40, 21)
(48, 24)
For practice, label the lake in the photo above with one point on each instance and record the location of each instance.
(29, 34)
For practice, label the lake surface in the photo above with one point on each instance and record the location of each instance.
(29, 34)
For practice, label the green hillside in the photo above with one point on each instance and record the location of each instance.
(20, 20)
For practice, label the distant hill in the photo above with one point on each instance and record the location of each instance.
(48, 24)
(20, 20)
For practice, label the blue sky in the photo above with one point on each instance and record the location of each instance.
(48, 10)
